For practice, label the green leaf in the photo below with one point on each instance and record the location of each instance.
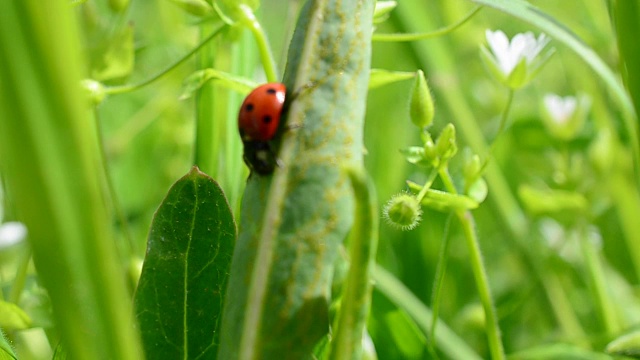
(558, 351)
(195, 7)
(116, 58)
(195, 81)
(181, 290)
(6, 352)
(626, 345)
(381, 77)
(444, 201)
(232, 11)
(545, 201)
(293, 222)
(12, 317)
(52, 165)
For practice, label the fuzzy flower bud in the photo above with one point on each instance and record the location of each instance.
(403, 212)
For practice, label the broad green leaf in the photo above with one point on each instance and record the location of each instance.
(626, 345)
(12, 317)
(6, 352)
(293, 222)
(181, 290)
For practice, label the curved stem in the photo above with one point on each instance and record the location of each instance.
(266, 56)
(479, 273)
(131, 87)
(421, 36)
(356, 298)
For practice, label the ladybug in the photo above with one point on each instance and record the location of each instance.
(258, 123)
(260, 113)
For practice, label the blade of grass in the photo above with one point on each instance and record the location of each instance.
(48, 152)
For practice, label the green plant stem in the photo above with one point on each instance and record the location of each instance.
(479, 273)
(605, 306)
(266, 55)
(356, 299)
(131, 87)
(425, 188)
(421, 36)
(441, 270)
(563, 309)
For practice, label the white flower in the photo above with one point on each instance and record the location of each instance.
(515, 62)
(560, 109)
(12, 233)
(564, 116)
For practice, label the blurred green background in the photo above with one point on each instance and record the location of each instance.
(536, 267)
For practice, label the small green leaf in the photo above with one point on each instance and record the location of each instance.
(195, 7)
(545, 201)
(416, 155)
(626, 345)
(444, 201)
(491, 65)
(519, 75)
(184, 277)
(558, 351)
(382, 10)
(198, 78)
(381, 77)
(231, 11)
(116, 58)
(6, 352)
(12, 317)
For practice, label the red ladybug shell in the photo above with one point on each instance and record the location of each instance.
(260, 112)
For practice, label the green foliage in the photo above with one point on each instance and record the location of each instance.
(520, 188)
(180, 294)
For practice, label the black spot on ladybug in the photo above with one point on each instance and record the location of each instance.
(249, 107)
(271, 91)
(267, 119)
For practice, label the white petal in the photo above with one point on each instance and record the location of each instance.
(501, 49)
(560, 109)
(12, 233)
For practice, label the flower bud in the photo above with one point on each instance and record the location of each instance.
(446, 144)
(403, 211)
(421, 107)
